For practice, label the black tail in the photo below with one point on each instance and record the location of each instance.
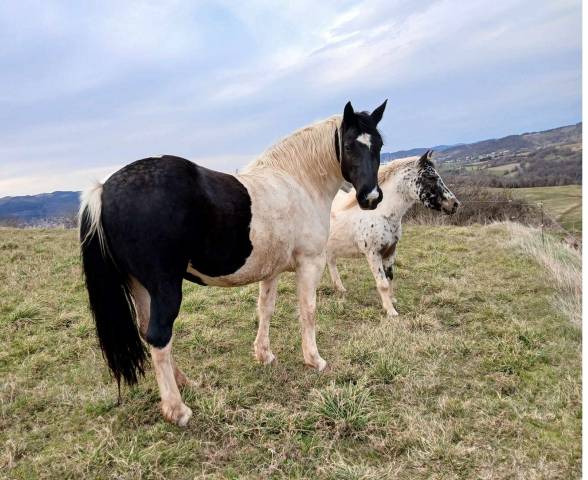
(111, 304)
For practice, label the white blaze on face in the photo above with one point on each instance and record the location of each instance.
(366, 139)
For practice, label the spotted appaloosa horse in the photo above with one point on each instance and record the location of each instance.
(159, 221)
(376, 233)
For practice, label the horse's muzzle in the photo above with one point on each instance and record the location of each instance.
(450, 205)
(370, 200)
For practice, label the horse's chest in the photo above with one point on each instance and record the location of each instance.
(377, 234)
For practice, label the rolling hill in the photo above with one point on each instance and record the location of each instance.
(551, 157)
(538, 159)
(45, 208)
(498, 147)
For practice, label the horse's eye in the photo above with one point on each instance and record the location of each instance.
(347, 147)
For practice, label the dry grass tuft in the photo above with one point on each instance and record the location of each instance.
(348, 409)
(562, 264)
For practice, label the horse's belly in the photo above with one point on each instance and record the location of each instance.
(233, 280)
(265, 261)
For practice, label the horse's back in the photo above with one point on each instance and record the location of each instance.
(161, 213)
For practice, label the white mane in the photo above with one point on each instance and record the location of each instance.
(308, 154)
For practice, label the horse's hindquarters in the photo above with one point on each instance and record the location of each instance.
(160, 214)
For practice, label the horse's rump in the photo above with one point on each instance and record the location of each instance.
(161, 213)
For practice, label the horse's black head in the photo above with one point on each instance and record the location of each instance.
(430, 188)
(360, 143)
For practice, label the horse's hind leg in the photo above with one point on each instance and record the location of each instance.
(265, 308)
(377, 267)
(162, 301)
(172, 407)
(335, 278)
(142, 301)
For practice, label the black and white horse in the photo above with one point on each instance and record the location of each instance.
(159, 221)
(375, 234)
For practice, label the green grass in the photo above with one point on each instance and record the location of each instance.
(479, 377)
(501, 169)
(475, 166)
(562, 203)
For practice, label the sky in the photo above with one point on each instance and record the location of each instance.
(87, 87)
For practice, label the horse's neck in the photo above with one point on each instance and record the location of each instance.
(307, 157)
(396, 200)
(324, 198)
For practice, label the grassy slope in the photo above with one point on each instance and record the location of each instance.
(500, 169)
(478, 377)
(563, 203)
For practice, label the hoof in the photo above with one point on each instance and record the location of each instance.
(341, 290)
(265, 357)
(176, 413)
(270, 359)
(320, 365)
(392, 314)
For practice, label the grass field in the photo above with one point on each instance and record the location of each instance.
(473, 167)
(478, 378)
(501, 169)
(563, 203)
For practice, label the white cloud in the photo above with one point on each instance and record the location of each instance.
(85, 86)
(52, 181)
(79, 179)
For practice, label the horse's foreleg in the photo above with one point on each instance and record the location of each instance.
(334, 272)
(389, 271)
(265, 309)
(308, 274)
(377, 267)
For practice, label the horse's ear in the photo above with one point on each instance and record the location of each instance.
(378, 113)
(349, 115)
(426, 158)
